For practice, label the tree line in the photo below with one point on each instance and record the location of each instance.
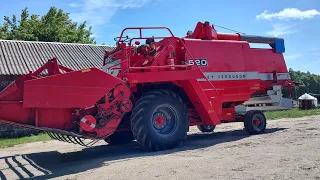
(305, 82)
(55, 26)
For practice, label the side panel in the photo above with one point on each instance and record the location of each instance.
(222, 56)
(226, 67)
(265, 61)
(13, 111)
(77, 89)
(54, 118)
(235, 68)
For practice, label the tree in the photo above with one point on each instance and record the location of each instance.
(306, 82)
(55, 26)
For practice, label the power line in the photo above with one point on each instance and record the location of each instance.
(229, 29)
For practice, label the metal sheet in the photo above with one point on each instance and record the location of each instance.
(3, 64)
(20, 57)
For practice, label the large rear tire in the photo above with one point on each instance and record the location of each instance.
(160, 120)
(255, 122)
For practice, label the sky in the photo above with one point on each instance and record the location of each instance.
(297, 21)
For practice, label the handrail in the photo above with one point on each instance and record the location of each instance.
(160, 67)
(140, 30)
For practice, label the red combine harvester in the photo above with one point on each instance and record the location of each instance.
(151, 93)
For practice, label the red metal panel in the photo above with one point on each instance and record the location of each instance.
(69, 90)
(55, 118)
(13, 111)
(221, 55)
(231, 91)
(163, 76)
(228, 114)
(235, 56)
(265, 61)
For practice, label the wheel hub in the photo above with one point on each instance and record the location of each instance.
(257, 122)
(159, 121)
(164, 120)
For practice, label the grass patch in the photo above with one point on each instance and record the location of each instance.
(9, 142)
(292, 113)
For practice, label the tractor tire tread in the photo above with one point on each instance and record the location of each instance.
(248, 122)
(137, 119)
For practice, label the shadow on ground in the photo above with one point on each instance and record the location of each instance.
(54, 164)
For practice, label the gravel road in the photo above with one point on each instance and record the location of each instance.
(290, 149)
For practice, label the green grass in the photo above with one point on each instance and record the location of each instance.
(293, 113)
(9, 142)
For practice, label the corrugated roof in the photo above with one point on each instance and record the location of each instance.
(20, 57)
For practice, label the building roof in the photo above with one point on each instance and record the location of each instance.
(307, 96)
(20, 57)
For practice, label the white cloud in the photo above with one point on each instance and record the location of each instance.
(73, 5)
(99, 12)
(289, 13)
(281, 29)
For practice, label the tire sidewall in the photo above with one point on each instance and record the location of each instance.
(248, 122)
(203, 128)
(182, 124)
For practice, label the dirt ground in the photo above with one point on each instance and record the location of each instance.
(290, 149)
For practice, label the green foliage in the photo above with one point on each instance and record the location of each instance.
(292, 113)
(306, 83)
(9, 142)
(55, 26)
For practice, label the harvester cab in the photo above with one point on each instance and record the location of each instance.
(151, 92)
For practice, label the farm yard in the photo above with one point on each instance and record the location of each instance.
(288, 150)
(91, 78)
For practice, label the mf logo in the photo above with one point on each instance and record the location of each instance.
(199, 61)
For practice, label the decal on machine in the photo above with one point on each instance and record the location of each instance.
(231, 75)
(221, 76)
(199, 61)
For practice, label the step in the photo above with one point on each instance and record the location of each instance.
(260, 100)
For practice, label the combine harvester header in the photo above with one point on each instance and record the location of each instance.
(152, 92)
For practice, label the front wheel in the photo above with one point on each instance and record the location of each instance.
(206, 128)
(255, 122)
(159, 120)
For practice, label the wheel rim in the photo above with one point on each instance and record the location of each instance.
(164, 120)
(207, 126)
(258, 122)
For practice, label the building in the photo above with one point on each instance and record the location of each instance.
(306, 101)
(20, 57)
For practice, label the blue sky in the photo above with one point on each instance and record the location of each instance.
(297, 21)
